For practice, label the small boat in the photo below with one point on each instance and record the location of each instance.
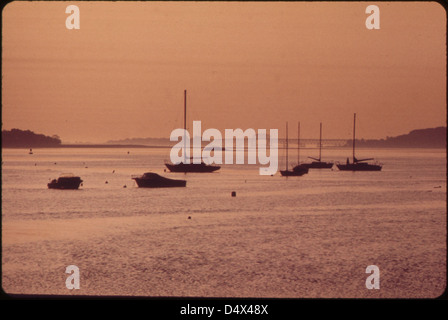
(190, 167)
(318, 163)
(66, 181)
(358, 164)
(295, 172)
(298, 170)
(153, 180)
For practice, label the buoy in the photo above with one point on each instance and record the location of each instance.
(106, 181)
(189, 217)
(233, 194)
(124, 186)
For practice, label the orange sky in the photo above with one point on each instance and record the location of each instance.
(244, 65)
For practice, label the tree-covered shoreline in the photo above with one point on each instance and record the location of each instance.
(16, 138)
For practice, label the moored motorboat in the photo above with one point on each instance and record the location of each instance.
(153, 180)
(298, 170)
(65, 181)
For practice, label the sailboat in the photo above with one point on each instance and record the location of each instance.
(190, 167)
(298, 170)
(358, 164)
(318, 163)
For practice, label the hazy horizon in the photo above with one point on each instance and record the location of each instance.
(244, 65)
(292, 137)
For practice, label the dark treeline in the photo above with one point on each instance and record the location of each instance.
(16, 138)
(421, 138)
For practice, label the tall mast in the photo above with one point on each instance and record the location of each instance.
(354, 126)
(320, 142)
(286, 145)
(185, 125)
(298, 142)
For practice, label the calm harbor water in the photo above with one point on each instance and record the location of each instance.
(279, 237)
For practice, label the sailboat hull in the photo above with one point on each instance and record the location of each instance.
(298, 170)
(190, 167)
(359, 167)
(318, 165)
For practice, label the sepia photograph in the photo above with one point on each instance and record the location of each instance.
(224, 149)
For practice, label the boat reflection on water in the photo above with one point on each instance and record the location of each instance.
(66, 181)
(153, 180)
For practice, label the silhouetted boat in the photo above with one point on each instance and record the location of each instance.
(190, 167)
(298, 170)
(153, 180)
(319, 164)
(66, 181)
(358, 164)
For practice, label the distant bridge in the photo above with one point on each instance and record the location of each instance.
(309, 143)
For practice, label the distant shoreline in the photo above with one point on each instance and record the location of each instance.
(420, 138)
(133, 146)
(89, 146)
